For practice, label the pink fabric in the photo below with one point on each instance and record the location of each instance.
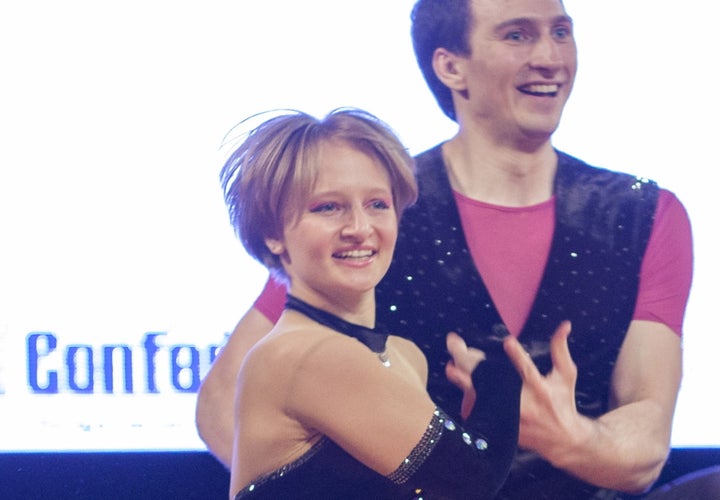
(510, 247)
(271, 300)
(666, 273)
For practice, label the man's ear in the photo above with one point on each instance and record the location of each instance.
(448, 68)
(276, 247)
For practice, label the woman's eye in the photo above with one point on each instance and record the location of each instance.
(380, 205)
(323, 207)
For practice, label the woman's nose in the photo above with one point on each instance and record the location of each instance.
(357, 224)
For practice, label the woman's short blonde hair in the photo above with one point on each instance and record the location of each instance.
(267, 179)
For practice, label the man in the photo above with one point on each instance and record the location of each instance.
(511, 236)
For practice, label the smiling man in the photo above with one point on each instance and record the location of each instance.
(511, 238)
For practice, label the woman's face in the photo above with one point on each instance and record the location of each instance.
(341, 243)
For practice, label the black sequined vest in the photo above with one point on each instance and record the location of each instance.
(603, 223)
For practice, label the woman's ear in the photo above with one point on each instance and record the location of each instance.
(448, 68)
(276, 247)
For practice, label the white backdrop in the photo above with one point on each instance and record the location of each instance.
(112, 226)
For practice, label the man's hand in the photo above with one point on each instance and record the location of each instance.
(548, 415)
(623, 449)
(459, 369)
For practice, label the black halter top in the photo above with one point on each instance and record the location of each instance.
(374, 339)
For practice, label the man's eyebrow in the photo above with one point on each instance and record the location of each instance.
(525, 21)
(563, 19)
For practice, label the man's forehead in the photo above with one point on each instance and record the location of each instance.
(498, 9)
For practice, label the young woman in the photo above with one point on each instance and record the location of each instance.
(327, 405)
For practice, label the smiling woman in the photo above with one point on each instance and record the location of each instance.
(112, 231)
(316, 415)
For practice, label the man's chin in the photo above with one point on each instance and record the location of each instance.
(538, 134)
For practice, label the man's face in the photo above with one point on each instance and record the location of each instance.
(521, 68)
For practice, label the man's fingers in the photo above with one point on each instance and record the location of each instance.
(520, 358)
(560, 351)
(464, 357)
(455, 344)
(457, 376)
(462, 380)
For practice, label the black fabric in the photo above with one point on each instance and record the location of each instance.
(455, 469)
(458, 467)
(375, 340)
(327, 472)
(603, 223)
(702, 484)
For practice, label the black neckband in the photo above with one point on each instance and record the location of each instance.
(370, 337)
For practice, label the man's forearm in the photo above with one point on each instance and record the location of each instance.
(623, 450)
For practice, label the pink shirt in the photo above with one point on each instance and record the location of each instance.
(510, 247)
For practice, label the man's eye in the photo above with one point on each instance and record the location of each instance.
(562, 33)
(516, 36)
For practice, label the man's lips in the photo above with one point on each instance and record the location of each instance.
(540, 89)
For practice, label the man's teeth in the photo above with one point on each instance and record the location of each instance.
(541, 89)
(355, 254)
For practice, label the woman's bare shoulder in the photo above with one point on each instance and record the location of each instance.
(412, 354)
(282, 350)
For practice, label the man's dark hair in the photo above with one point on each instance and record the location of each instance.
(435, 24)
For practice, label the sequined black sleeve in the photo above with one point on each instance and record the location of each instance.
(468, 460)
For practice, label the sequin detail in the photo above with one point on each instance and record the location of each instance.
(280, 472)
(422, 450)
(602, 226)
